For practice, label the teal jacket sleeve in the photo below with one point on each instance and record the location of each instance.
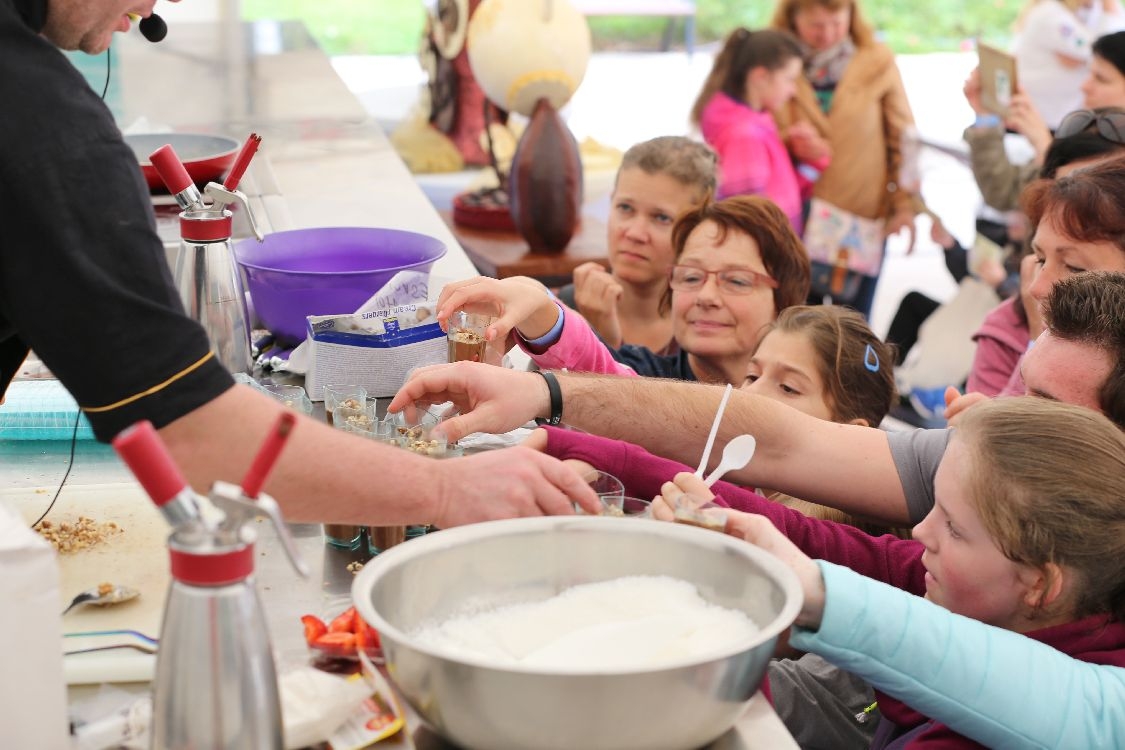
(991, 685)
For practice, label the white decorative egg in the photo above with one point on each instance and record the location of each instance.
(524, 50)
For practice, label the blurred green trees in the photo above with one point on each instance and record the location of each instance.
(394, 27)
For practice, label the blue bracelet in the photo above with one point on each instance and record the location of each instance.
(987, 120)
(551, 337)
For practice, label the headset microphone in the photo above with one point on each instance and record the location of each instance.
(153, 28)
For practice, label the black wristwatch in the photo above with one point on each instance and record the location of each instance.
(556, 400)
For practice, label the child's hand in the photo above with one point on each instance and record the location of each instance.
(577, 465)
(957, 403)
(537, 440)
(758, 530)
(806, 144)
(517, 303)
(684, 487)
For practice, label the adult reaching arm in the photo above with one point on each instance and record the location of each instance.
(844, 466)
(328, 475)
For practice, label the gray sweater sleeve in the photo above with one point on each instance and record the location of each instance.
(916, 455)
(999, 180)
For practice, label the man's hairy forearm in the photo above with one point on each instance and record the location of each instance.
(843, 466)
(670, 418)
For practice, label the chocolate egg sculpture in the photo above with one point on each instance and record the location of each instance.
(545, 184)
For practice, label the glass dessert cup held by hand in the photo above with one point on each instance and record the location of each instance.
(465, 335)
(413, 427)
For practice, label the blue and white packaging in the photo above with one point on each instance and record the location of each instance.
(376, 349)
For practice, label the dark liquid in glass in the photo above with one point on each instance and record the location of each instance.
(382, 538)
(466, 346)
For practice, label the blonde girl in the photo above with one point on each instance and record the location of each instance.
(1027, 534)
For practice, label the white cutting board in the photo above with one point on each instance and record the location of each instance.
(137, 557)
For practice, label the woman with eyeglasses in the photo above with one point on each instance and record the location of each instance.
(737, 264)
(1000, 181)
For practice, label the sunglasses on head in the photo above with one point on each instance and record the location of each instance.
(1109, 125)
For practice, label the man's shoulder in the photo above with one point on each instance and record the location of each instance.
(918, 449)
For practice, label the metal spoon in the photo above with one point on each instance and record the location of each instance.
(101, 596)
(736, 455)
(143, 648)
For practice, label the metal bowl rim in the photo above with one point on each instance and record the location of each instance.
(379, 566)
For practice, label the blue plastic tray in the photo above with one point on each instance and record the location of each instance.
(41, 410)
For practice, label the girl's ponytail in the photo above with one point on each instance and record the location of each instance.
(742, 51)
(720, 70)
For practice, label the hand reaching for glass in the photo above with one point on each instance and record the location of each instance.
(511, 483)
(687, 492)
(516, 303)
(489, 399)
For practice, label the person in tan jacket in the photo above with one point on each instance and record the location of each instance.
(851, 103)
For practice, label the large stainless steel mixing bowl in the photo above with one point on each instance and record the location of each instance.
(487, 706)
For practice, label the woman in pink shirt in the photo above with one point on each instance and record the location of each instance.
(755, 72)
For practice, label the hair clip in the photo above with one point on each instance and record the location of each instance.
(871, 359)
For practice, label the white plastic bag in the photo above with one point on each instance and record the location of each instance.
(944, 351)
(315, 703)
(32, 688)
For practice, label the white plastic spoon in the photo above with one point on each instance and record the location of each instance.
(736, 455)
(714, 431)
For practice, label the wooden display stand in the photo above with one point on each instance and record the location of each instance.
(503, 254)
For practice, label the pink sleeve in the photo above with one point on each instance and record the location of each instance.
(884, 558)
(609, 455)
(744, 164)
(578, 349)
(993, 366)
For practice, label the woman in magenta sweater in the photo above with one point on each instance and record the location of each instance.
(1028, 534)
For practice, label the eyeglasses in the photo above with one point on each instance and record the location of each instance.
(1110, 125)
(731, 281)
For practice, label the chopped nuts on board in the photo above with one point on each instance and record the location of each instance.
(84, 533)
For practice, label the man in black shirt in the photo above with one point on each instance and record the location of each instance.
(84, 282)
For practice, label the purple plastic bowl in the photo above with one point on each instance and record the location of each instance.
(326, 271)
